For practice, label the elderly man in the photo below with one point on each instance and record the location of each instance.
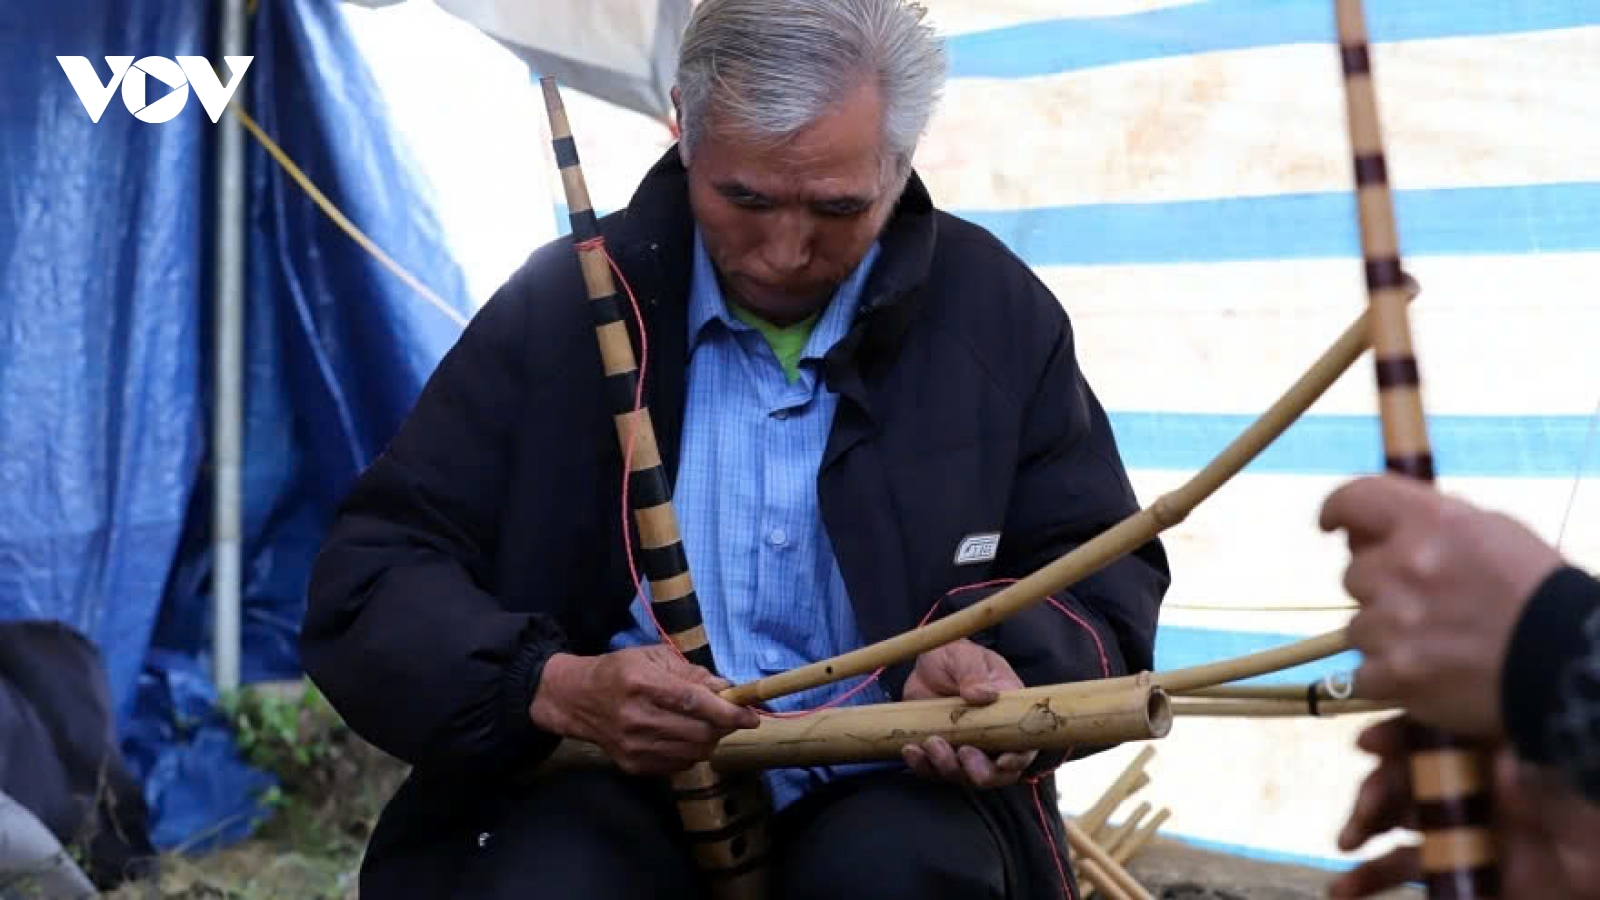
(869, 409)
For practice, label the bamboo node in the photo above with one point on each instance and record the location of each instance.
(1169, 511)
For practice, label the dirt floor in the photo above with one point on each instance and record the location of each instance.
(268, 869)
(1176, 871)
(334, 784)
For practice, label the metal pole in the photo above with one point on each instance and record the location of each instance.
(228, 410)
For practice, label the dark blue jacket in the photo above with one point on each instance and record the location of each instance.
(487, 535)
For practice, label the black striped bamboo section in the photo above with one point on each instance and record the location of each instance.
(725, 819)
(1449, 778)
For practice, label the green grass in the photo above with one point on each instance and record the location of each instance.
(333, 785)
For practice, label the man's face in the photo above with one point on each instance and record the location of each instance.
(785, 225)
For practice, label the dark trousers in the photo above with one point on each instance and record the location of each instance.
(604, 836)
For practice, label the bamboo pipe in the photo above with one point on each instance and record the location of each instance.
(1112, 544)
(1045, 719)
(1102, 863)
(1141, 837)
(1136, 842)
(1099, 880)
(726, 821)
(1261, 709)
(1126, 783)
(1277, 659)
(1451, 777)
(1263, 692)
(576, 754)
(1121, 833)
(1140, 783)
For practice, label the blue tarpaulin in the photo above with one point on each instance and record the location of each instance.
(105, 357)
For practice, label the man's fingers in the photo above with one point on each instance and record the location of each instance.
(699, 702)
(1386, 739)
(1368, 508)
(1375, 679)
(1016, 763)
(979, 690)
(932, 677)
(1391, 870)
(943, 757)
(917, 761)
(1382, 803)
(977, 766)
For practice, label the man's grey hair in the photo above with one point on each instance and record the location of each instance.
(768, 68)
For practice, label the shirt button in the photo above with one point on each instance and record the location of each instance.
(781, 414)
(778, 537)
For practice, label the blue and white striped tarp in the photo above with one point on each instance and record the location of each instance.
(1179, 173)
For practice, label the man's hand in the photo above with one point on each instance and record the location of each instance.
(1441, 585)
(1544, 829)
(650, 711)
(977, 675)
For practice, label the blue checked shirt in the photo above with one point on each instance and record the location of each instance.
(770, 591)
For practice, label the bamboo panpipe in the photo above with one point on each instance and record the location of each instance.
(1112, 544)
(726, 821)
(1450, 778)
(1044, 719)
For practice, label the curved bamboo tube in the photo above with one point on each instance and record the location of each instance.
(1277, 659)
(1055, 718)
(1267, 709)
(1450, 778)
(1109, 546)
(1260, 692)
(725, 820)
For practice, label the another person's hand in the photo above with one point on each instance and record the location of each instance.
(977, 675)
(1544, 830)
(1441, 584)
(650, 711)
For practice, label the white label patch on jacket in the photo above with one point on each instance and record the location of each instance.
(977, 548)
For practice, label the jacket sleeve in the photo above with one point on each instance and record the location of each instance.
(1550, 683)
(1070, 486)
(402, 630)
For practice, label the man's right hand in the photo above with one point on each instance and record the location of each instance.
(648, 709)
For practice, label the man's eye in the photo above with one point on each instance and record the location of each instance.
(842, 210)
(746, 199)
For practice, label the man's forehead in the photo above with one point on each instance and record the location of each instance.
(781, 184)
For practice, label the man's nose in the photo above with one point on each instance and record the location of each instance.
(786, 247)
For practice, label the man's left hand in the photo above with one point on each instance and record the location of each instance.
(978, 676)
